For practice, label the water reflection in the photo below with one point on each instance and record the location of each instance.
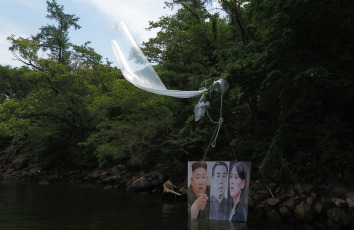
(69, 206)
(215, 225)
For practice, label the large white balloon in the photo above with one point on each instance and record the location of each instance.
(135, 66)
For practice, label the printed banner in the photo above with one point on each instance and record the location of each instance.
(218, 190)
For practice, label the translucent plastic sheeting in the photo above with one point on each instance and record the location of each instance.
(201, 108)
(221, 86)
(135, 66)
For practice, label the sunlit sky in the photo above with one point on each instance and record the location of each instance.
(24, 18)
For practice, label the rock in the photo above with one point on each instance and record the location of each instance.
(326, 201)
(276, 176)
(259, 207)
(140, 184)
(121, 167)
(289, 194)
(10, 170)
(115, 171)
(338, 215)
(272, 201)
(87, 178)
(273, 186)
(110, 179)
(148, 177)
(20, 163)
(292, 202)
(258, 186)
(307, 188)
(250, 202)
(303, 212)
(299, 188)
(273, 216)
(309, 200)
(338, 190)
(319, 207)
(261, 195)
(313, 195)
(284, 211)
(158, 176)
(95, 174)
(350, 199)
(339, 202)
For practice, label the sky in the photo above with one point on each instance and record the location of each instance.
(23, 18)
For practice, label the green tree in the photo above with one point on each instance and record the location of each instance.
(55, 38)
(293, 75)
(12, 83)
(130, 126)
(186, 48)
(44, 114)
(54, 41)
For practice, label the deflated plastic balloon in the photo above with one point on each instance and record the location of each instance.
(200, 108)
(136, 68)
(221, 86)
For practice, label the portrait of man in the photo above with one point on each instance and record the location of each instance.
(198, 191)
(218, 201)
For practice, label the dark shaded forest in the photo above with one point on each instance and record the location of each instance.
(289, 107)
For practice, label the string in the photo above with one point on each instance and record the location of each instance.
(219, 123)
(228, 137)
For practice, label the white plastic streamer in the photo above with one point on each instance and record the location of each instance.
(135, 66)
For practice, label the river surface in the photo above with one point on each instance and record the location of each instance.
(28, 206)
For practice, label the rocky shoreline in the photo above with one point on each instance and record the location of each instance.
(316, 206)
(325, 206)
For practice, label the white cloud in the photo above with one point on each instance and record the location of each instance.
(33, 5)
(6, 57)
(136, 14)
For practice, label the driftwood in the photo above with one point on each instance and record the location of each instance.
(168, 187)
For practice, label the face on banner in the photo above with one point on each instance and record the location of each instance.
(219, 179)
(218, 190)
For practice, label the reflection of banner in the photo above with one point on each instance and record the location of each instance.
(218, 190)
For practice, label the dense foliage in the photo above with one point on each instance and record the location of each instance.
(290, 66)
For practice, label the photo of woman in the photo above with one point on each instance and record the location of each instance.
(238, 192)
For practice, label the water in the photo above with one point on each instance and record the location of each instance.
(25, 206)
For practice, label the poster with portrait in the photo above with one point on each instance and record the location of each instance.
(218, 190)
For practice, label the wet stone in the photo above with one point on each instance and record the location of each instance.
(309, 200)
(319, 207)
(338, 215)
(303, 212)
(284, 211)
(272, 201)
(340, 203)
(350, 199)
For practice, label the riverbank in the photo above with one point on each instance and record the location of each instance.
(313, 206)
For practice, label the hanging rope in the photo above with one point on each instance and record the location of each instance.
(219, 123)
(213, 139)
(228, 137)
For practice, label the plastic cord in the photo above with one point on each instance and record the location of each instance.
(219, 123)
